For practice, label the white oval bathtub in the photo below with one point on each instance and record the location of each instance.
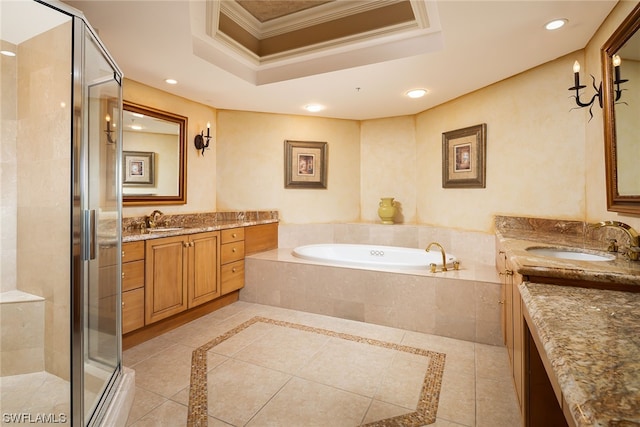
(372, 255)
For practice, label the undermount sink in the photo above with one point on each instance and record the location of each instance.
(569, 253)
(162, 229)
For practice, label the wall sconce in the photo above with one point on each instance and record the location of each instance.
(199, 140)
(108, 130)
(598, 95)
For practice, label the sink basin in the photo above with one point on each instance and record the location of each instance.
(569, 253)
(161, 229)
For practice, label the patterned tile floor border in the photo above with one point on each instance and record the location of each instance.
(424, 414)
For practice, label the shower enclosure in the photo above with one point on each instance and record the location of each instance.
(60, 348)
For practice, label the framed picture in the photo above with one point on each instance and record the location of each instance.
(463, 157)
(305, 164)
(138, 167)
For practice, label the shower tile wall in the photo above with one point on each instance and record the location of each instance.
(43, 176)
(8, 190)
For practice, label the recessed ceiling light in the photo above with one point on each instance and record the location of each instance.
(416, 93)
(313, 108)
(7, 53)
(171, 81)
(555, 24)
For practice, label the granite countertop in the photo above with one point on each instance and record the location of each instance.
(146, 234)
(592, 339)
(515, 242)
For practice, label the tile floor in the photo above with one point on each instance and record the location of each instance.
(269, 375)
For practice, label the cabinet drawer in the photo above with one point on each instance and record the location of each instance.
(232, 235)
(132, 310)
(132, 275)
(231, 252)
(232, 277)
(132, 251)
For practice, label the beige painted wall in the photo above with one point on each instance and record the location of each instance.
(250, 157)
(543, 158)
(201, 170)
(535, 151)
(389, 167)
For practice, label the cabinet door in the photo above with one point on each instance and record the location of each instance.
(204, 271)
(232, 252)
(132, 275)
(232, 277)
(166, 278)
(132, 310)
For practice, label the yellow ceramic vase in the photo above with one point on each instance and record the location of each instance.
(387, 210)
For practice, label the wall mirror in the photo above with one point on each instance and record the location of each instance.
(621, 103)
(153, 156)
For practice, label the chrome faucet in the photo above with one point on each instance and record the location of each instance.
(152, 219)
(444, 256)
(634, 239)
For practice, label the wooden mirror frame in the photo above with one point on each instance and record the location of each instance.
(615, 201)
(181, 197)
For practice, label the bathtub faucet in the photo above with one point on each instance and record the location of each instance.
(152, 219)
(634, 239)
(444, 256)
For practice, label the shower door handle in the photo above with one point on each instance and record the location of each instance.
(90, 235)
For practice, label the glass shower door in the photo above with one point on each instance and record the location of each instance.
(101, 223)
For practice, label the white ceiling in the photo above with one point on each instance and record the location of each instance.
(483, 42)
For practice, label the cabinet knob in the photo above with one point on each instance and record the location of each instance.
(233, 270)
(233, 249)
(122, 254)
(123, 274)
(122, 304)
(501, 302)
(234, 235)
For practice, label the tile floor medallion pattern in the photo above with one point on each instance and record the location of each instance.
(426, 408)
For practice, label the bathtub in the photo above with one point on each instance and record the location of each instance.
(372, 256)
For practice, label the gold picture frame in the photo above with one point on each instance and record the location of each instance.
(464, 157)
(138, 168)
(305, 164)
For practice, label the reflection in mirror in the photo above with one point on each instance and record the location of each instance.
(154, 156)
(620, 62)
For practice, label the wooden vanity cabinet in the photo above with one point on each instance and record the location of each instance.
(132, 286)
(177, 279)
(513, 323)
(181, 272)
(232, 260)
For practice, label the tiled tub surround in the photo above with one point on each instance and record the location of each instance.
(462, 304)
(515, 234)
(591, 338)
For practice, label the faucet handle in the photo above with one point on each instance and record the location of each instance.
(613, 245)
(633, 253)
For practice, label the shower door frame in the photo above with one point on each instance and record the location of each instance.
(79, 206)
